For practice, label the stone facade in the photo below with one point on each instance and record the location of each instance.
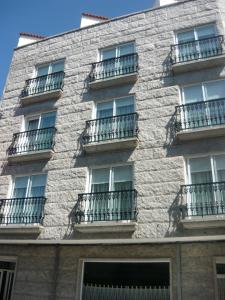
(50, 272)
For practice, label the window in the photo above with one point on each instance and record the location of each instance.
(111, 179)
(111, 195)
(117, 51)
(115, 107)
(47, 77)
(115, 61)
(44, 120)
(220, 278)
(204, 104)
(27, 199)
(50, 68)
(114, 120)
(206, 175)
(7, 273)
(126, 280)
(38, 135)
(198, 42)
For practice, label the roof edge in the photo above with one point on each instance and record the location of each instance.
(106, 21)
(28, 34)
(94, 16)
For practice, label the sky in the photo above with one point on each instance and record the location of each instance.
(49, 17)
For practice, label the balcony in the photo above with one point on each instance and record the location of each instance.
(21, 215)
(114, 71)
(112, 133)
(197, 55)
(106, 211)
(198, 120)
(203, 205)
(32, 145)
(42, 88)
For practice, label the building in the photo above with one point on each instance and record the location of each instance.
(113, 159)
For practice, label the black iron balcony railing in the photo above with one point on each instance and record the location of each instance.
(116, 127)
(123, 65)
(33, 140)
(199, 49)
(106, 206)
(22, 210)
(203, 199)
(200, 114)
(43, 84)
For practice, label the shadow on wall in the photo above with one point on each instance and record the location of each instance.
(23, 168)
(175, 215)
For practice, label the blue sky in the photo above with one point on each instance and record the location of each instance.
(48, 17)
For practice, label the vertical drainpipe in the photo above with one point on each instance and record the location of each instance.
(179, 272)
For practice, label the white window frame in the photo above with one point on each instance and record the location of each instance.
(38, 116)
(89, 181)
(49, 64)
(82, 261)
(212, 164)
(95, 107)
(202, 84)
(213, 24)
(115, 47)
(11, 259)
(28, 187)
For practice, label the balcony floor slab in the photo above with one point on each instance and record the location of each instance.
(49, 95)
(21, 229)
(196, 222)
(198, 64)
(117, 80)
(31, 155)
(111, 145)
(106, 226)
(201, 133)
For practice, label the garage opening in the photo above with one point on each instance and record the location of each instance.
(126, 281)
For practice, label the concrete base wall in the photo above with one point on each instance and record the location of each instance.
(55, 272)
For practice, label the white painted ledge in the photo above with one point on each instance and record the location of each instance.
(204, 222)
(106, 226)
(21, 229)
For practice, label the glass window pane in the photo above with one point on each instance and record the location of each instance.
(104, 110)
(38, 183)
(187, 36)
(100, 180)
(48, 120)
(200, 169)
(42, 70)
(126, 49)
(100, 176)
(220, 269)
(205, 31)
(57, 66)
(192, 94)
(215, 89)
(125, 106)
(123, 173)
(20, 187)
(220, 167)
(108, 53)
(33, 124)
